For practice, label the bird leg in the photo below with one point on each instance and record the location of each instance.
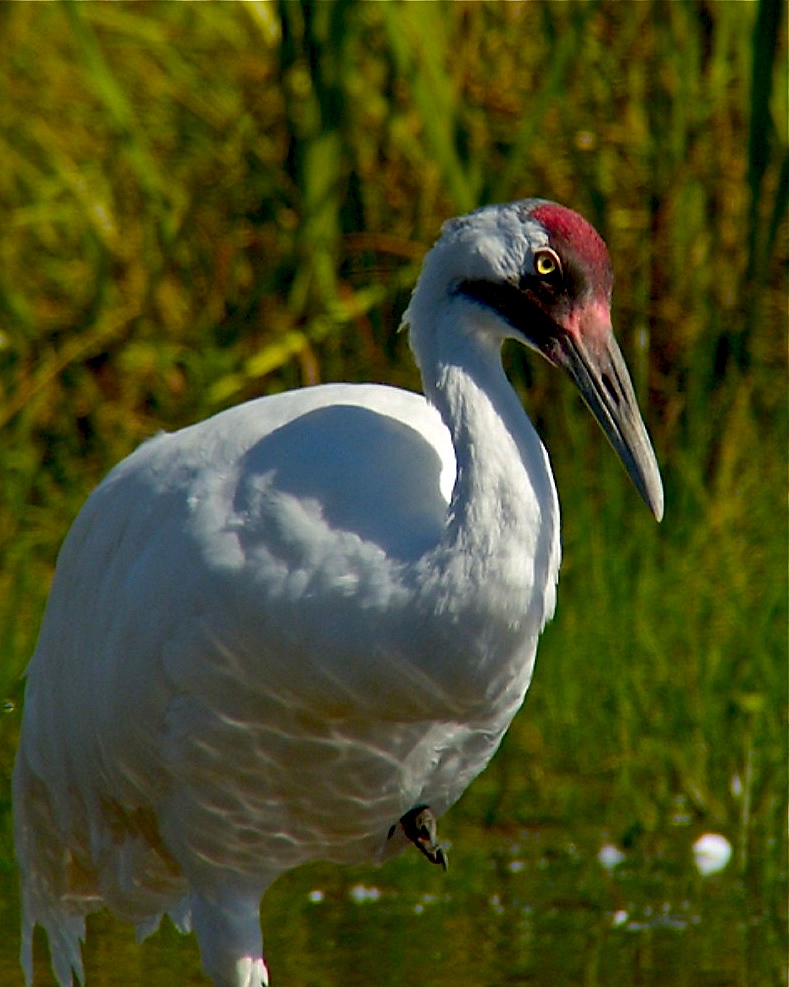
(419, 825)
(227, 925)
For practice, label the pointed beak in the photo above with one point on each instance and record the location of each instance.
(589, 353)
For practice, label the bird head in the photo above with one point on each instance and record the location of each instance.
(539, 273)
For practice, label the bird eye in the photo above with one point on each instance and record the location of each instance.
(546, 263)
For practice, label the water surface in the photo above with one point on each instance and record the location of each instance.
(532, 906)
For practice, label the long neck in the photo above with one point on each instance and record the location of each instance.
(502, 531)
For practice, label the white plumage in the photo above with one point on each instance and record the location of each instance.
(275, 633)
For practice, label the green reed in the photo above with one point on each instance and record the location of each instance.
(205, 202)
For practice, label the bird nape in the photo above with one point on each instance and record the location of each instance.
(298, 630)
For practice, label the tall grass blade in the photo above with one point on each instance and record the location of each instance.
(417, 36)
(563, 53)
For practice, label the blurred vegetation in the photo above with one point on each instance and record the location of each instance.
(204, 202)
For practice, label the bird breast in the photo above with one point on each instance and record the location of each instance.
(338, 558)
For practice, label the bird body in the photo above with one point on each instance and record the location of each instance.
(275, 633)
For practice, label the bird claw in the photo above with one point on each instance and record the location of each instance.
(419, 826)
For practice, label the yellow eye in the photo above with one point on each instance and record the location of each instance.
(546, 263)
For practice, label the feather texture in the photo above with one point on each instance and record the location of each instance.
(272, 634)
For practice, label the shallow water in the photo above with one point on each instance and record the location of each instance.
(531, 906)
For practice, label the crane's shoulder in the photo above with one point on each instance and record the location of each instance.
(343, 423)
(371, 461)
(303, 483)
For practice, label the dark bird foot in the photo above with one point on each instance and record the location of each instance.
(419, 825)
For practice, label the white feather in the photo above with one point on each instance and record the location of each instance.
(273, 633)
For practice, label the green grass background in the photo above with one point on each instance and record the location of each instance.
(204, 202)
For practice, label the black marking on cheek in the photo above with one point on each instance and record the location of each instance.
(520, 306)
(501, 296)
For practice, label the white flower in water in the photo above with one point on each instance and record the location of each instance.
(711, 852)
(360, 894)
(610, 856)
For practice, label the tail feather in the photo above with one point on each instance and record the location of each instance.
(65, 948)
(66, 933)
(180, 914)
(114, 860)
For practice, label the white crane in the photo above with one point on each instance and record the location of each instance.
(298, 630)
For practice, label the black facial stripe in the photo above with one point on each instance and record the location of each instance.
(517, 305)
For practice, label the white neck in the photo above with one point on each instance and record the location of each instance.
(501, 543)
